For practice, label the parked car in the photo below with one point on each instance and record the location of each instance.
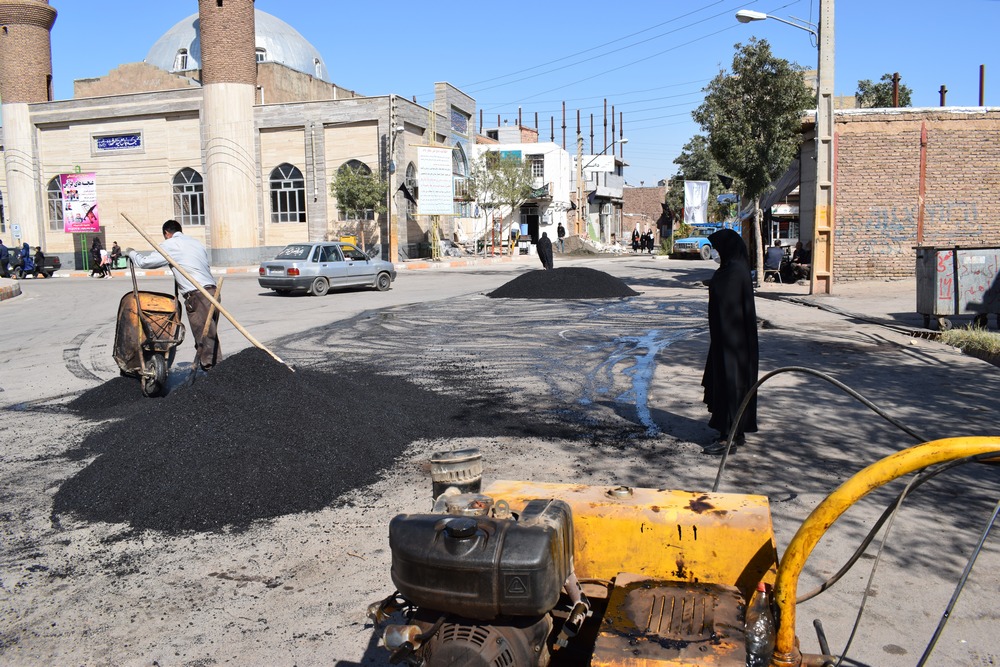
(697, 245)
(317, 267)
(50, 266)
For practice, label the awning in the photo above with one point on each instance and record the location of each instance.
(784, 184)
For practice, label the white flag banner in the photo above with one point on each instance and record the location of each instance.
(695, 202)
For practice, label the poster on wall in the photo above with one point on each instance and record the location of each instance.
(434, 177)
(695, 202)
(79, 196)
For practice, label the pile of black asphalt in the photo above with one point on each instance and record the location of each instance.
(563, 283)
(253, 440)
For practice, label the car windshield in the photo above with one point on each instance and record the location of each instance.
(295, 251)
(703, 232)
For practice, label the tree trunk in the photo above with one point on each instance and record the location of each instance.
(757, 239)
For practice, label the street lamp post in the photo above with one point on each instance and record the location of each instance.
(579, 174)
(821, 275)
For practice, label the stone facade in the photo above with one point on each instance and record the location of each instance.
(878, 187)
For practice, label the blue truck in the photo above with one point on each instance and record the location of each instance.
(697, 244)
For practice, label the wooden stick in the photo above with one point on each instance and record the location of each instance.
(211, 309)
(207, 295)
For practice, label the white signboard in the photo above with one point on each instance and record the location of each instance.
(695, 201)
(434, 178)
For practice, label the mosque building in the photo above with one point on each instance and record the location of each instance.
(231, 125)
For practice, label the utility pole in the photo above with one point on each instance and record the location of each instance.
(391, 232)
(579, 181)
(821, 276)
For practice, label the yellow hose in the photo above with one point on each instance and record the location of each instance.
(786, 653)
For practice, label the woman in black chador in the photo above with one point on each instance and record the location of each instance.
(731, 368)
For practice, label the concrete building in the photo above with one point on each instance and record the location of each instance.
(552, 199)
(230, 126)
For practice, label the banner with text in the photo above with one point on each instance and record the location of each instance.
(695, 202)
(79, 198)
(434, 178)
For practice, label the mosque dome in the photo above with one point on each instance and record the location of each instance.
(179, 49)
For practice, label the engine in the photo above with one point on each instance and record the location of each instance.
(481, 586)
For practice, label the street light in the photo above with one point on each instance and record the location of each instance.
(748, 15)
(579, 173)
(821, 275)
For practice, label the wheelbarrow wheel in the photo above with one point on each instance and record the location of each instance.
(154, 379)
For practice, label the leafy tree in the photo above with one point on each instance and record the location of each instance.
(879, 95)
(752, 116)
(357, 190)
(499, 181)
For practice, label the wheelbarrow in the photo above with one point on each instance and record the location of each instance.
(147, 334)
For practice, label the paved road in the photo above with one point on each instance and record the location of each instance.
(635, 363)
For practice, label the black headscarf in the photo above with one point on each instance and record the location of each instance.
(731, 368)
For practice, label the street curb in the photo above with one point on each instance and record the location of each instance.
(9, 289)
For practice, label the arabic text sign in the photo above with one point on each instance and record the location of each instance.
(434, 177)
(79, 195)
(119, 142)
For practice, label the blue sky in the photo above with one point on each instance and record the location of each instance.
(648, 59)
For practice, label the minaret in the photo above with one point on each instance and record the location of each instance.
(25, 77)
(229, 81)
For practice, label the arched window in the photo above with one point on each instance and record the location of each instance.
(459, 163)
(181, 60)
(261, 54)
(189, 197)
(361, 169)
(411, 185)
(318, 68)
(288, 194)
(460, 173)
(53, 194)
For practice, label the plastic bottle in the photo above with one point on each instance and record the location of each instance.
(760, 629)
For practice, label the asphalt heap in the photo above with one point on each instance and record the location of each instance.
(254, 440)
(563, 283)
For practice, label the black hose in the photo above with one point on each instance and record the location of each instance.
(958, 589)
(822, 376)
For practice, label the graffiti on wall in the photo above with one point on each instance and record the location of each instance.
(889, 230)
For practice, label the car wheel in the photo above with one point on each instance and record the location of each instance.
(382, 282)
(706, 252)
(319, 287)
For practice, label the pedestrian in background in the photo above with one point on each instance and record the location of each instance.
(515, 233)
(545, 250)
(636, 238)
(4, 260)
(191, 256)
(39, 262)
(95, 258)
(105, 264)
(733, 357)
(560, 235)
(116, 253)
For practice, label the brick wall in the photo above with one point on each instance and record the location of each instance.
(878, 187)
(25, 52)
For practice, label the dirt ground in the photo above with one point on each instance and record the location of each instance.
(613, 387)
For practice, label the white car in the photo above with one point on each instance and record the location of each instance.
(315, 268)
